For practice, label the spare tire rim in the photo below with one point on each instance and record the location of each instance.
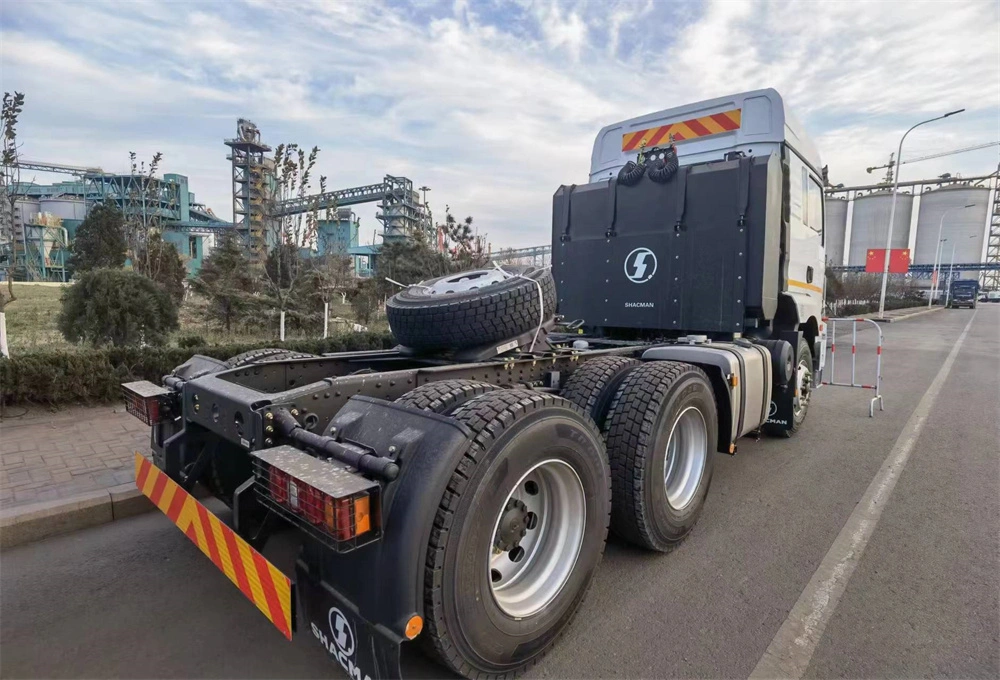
(687, 453)
(803, 389)
(537, 538)
(466, 281)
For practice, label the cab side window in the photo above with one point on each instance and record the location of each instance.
(815, 206)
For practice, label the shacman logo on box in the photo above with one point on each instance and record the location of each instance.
(640, 265)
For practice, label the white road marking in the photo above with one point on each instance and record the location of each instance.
(793, 645)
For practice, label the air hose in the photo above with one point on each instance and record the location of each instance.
(631, 173)
(663, 166)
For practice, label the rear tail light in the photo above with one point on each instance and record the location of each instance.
(278, 485)
(148, 402)
(336, 505)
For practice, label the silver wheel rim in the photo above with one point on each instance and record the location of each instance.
(803, 389)
(527, 577)
(687, 451)
(466, 281)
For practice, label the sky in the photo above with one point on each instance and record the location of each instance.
(491, 104)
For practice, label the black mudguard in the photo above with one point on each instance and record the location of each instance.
(781, 413)
(378, 588)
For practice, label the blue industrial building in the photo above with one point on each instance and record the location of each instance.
(48, 215)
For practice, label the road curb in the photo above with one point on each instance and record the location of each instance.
(30, 523)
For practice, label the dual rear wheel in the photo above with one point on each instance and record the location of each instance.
(521, 527)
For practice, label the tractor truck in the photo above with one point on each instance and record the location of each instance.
(456, 492)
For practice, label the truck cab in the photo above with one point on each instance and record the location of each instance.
(963, 293)
(743, 162)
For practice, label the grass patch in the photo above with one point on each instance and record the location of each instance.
(31, 319)
(31, 322)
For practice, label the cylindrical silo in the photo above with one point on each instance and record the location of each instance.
(964, 227)
(835, 228)
(870, 221)
(64, 208)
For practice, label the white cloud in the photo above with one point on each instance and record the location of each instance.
(492, 104)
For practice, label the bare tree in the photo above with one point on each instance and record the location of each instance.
(10, 185)
(284, 270)
(145, 194)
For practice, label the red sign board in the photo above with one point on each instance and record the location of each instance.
(899, 260)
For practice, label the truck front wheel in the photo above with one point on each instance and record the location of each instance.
(662, 432)
(803, 393)
(518, 534)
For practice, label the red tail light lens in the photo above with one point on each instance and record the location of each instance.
(311, 504)
(278, 485)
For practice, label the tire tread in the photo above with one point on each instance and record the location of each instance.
(630, 430)
(488, 415)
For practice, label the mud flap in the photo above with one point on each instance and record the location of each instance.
(365, 651)
(781, 412)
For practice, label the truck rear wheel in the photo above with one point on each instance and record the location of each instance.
(803, 393)
(444, 396)
(593, 385)
(518, 534)
(662, 434)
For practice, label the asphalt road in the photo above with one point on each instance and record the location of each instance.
(135, 599)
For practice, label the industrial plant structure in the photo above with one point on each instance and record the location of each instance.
(934, 218)
(47, 216)
(256, 212)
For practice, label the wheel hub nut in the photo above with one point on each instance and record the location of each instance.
(513, 525)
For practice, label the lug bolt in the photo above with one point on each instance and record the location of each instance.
(269, 429)
(295, 412)
(268, 442)
(269, 415)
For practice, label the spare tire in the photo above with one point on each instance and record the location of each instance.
(472, 308)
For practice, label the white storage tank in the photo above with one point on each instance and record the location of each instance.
(965, 228)
(870, 221)
(835, 229)
(64, 208)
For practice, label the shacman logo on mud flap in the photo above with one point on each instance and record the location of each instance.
(341, 644)
(640, 265)
(773, 411)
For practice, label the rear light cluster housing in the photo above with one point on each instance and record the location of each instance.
(148, 402)
(325, 499)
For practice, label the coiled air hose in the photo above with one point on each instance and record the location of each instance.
(661, 169)
(631, 173)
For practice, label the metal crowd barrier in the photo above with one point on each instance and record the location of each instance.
(878, 361)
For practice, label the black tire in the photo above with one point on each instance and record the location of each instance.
(471, 318)
(804, 356)
(445, 396)
(515, 430)
(640, 423)
(593, 385)
(257, 356)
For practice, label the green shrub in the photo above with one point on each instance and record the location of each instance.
(116, 307)
(189, 341)
(95, 375)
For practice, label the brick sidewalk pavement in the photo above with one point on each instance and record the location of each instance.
(46, 456)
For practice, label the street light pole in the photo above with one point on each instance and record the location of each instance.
(935, 272)
(937, 258)
(892, 210)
